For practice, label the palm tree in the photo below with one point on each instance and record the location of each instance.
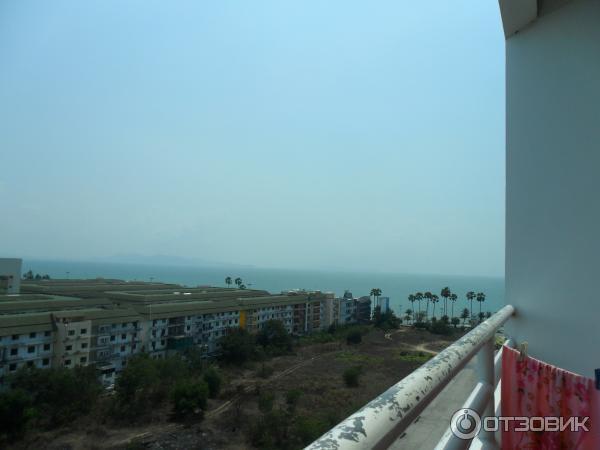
(375, 293)
(480, 298)
(471, 297)
(409, 315)
(427, 296)
(445, 294)
(434, 300)
(238, 281)
(228, 281)
(419, 297)
(412, 300)
(465, 315)
(242, 286)
(453, 298)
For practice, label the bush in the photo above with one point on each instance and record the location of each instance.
(292, 397)
(16, 412)
(238, 347)
(265, 402)
(274, 338)
(58, 395)
(354, 337)
(213, 379)
(440, 327)
(189, 397)
(264, 371)
(352, 375)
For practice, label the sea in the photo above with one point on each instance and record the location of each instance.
(396, 286)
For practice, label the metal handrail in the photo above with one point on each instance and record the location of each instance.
(379, 423)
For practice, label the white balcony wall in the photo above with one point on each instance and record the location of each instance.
(553, 187)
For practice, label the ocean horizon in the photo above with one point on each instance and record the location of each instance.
(395, 286)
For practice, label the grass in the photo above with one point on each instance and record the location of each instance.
(412, 356)
(358, 358)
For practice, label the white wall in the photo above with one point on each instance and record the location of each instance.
(553, 186)
(12, 266)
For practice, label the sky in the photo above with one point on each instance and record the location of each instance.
(339, 134)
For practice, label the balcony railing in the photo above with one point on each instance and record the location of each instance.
(378, 424)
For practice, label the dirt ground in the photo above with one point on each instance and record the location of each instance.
(316, 370)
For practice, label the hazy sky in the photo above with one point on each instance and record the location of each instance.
(304, 134)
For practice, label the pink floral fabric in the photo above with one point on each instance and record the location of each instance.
(533, 388)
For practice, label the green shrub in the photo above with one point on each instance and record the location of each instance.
(238, 347)
(266, 402)
(354, 337)
(352, 375)
(440, 327)
(189, 397)
(213, 379)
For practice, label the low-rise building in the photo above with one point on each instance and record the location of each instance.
(109, 323)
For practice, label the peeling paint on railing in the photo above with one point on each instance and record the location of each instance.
(382, 420)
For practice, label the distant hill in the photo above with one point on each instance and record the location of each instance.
(165, 260)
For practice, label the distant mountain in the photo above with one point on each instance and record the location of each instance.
(165, 260)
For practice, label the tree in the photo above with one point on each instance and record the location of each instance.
(419, 297)
(471, 297)
(292, 397)
(228, 281)
(412, 299)
(408, 315)
(352, 376)
(481, 316)
(238, 281)
(28, 275)
(434, 300)
(189, 397)
(16, 413)
(242, 286)
(465, 315)
(375, 293)
(213, 380)
(453, 298)
(480, 299)
(354, 337)
(58, 395)
(274, 337)
(237, 346)
(455, 321)
(427, 296)
(445, 293)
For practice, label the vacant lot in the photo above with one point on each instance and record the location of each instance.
(315, 372)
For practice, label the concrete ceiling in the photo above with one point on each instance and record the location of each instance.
(517, 14)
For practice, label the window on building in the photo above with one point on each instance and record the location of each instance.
(134, 346)
(32, 335)
(47, 333)
(12, 367)
(14, 351)
(45, 361)
(15, 337)
(71, 332)
(84, 345)
(124, 325)
(122, 348)
(67, 362)
(69, 348)
(83, 360)
(162, 342)
(123, 336)
(46, 347)
(29, 363)
(112, 338)
(83, 331)
(31, 349)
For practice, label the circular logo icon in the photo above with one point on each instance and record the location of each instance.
(465, 423)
